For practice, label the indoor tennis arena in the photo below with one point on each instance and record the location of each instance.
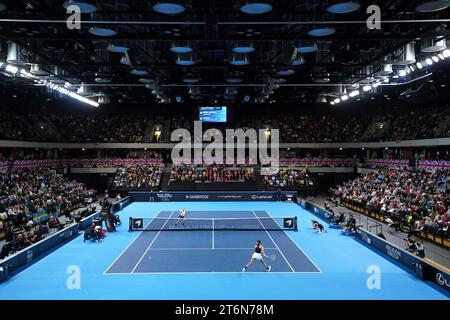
(197, 152)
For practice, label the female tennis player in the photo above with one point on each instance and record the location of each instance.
(181, 216)
(258, 255)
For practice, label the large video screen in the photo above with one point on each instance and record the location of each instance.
(213, 114)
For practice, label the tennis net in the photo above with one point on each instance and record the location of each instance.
(225, 224)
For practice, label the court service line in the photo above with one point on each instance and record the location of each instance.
(153, 241)
(184, 249)
(211, 272)
(129, 245)
(274, 242)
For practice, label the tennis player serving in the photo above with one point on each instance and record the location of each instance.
(181, 216)
(258, 255)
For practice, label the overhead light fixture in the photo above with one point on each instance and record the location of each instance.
(85, 6)
(408, 55)
(367, 88)
(432, 6)
(322, 32)
(435, 58)
(429, 61)
(139, 72)
(376, 84)
(286, 72)
(419, 65)
(37, 71)
(298, 61)
(11, 69)
(181, 47)
(102, 32)
(344, 97)
(239, 59)
(256, 7)
(354, 93)
(185, 59)
(169, 8)
(402, 73)
(145, 80)
(243, 47)
(71, 94)
(433, 45)
(446, 53)
(16, 54)
(191, 80)
(344, 7)
(117, 47)
(307, 48)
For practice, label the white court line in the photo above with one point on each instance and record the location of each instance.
(183, 249)
(211, 272)
(312, 261)
(274, 242)
(129, 245)
(213, 234)
(153, 241)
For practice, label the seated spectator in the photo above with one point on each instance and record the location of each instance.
(289, 178)
(138, 177)
(211, 174)
(350, 225)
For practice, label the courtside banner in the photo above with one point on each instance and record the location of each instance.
(430, 272)
(29, 254)
(209, 196)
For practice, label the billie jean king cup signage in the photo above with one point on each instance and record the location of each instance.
(257, 143)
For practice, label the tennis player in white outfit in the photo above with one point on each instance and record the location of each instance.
(258, 256)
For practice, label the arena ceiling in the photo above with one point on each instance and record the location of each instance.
(225, 51)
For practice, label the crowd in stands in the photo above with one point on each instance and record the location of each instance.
(27, 192)
(289, 178)
(145, 176)
(416, 199)
(102, 129)
(426, 123)
(294, 128)
(321, 129)
(215, 173)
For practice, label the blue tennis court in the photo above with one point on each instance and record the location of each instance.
(212, 250)
(187, 265)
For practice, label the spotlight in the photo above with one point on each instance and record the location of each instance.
(429, 61)
(402, 73)
(446, 53)
(412, 68)
(435, 59)
(354, 93)
(332, 103)
(337, 100)
(11, 69)
(441, 56)
(419, 65)
(367, 88)
(344, 98)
